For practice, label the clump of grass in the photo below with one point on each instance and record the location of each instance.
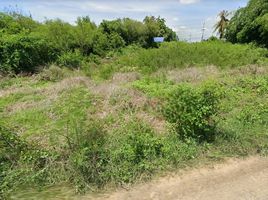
(155, 87)
(54, 73)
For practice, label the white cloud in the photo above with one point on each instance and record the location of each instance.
(189, 1)
(114, 7)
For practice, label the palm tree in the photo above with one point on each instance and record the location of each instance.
(221, 25)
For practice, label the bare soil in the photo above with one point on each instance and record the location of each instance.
(234, 180)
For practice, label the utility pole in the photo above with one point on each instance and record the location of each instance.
(203, 31)
(190, 39)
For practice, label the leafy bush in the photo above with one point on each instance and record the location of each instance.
(254, 114)
(23, 53)
(70, 59)
(156, 87)
(14, 23)
(192, 110)
(137, 151)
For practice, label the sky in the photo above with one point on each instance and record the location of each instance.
(186, 17)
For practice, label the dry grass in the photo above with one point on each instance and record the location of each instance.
(158, 124)
(248, 70)
(193, 74)
(50, 93)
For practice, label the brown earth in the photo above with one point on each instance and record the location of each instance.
(234, 180)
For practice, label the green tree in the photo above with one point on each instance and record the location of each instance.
(59, 33)
(84, 33)
(131, 31)
(250, 24)
(14, 23)
(156, 27)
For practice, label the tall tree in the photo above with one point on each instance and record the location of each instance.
(250, 24)
(222, 24)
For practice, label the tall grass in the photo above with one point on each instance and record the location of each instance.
(181, 54)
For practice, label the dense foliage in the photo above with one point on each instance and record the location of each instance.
(26, 44)
(23, 53)
(192, 110)
(250, 24)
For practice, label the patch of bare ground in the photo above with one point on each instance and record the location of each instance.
(232, 180)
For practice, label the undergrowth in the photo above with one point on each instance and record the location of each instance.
(58, 127)
(181, 54)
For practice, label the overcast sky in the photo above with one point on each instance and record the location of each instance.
(186, 17)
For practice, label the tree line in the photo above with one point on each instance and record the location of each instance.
(26, 43)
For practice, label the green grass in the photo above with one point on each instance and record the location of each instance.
(72, 133)
(181, 55)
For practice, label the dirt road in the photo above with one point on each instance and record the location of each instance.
(235, 180)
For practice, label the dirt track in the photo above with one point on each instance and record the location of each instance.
(234, 180)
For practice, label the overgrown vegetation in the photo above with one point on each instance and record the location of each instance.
(71, 132)
(26, 44)
(181, 55)
(249, 24)
(112, 111)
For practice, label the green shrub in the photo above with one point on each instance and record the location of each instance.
(23, 53)
(192, 110)
(134, 150)
(70, 59)
(254, 114)
(131, 152)
(137, 152)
